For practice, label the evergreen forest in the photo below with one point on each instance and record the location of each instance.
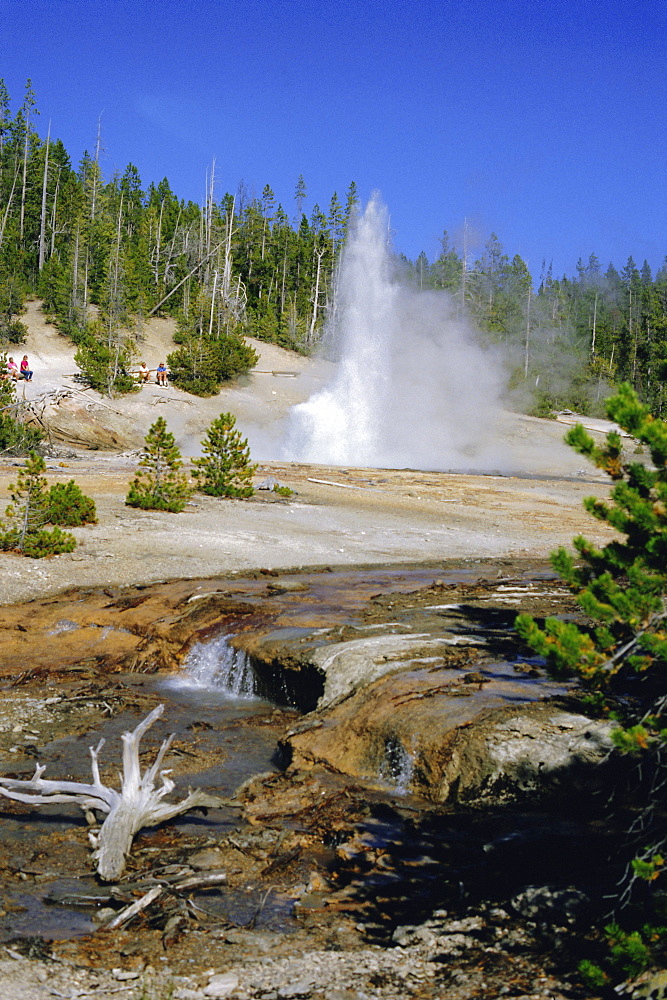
(105, 254)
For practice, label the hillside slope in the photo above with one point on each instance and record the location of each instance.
(259, 401)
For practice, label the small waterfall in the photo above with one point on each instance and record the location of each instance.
(398, 766)
(217, 666)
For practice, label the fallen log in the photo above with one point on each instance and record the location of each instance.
(137, 804)
(183, 883)
(131, 911)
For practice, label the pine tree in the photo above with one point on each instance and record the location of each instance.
(448, 267)
(158, 484)
(623, 586)
(67, 504)
(336, 222)
(29, 512)
(225, 469)
(351, 203)
(203, 362)
(620, 659)
(300, 196)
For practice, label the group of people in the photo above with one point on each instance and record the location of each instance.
(17, 372)
(161, 373)
(23, 371)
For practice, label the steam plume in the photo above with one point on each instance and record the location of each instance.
(412, 388)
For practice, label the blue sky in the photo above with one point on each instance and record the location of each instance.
(542, 121)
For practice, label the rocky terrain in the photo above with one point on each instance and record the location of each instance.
(409, 838)
(345, 875)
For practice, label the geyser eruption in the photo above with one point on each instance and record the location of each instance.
(412, 387)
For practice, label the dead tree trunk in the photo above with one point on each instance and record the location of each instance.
(8, 206)
(42, 221)
(316, 296)
(137, 804)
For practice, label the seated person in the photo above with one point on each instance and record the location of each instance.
(143, 374)
(12, 369)
(26, 373)
(161, 374)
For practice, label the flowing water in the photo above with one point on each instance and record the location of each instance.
(216, 667)
(398, 766)
(214, 709)
(213, 703)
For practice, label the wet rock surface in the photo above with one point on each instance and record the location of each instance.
(344, 877)
(430, 692)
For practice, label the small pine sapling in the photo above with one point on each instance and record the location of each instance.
(29, 512)
(16, 437)
(159, 484)
(48, 543)
(225, 469)
(66, 504)
(283, 491)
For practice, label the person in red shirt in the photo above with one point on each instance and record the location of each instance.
(26, 372)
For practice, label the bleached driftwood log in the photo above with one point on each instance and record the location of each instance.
(137, 804)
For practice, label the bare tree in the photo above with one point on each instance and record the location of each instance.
(53, 214)
(137, 804)
(42, 224)
(28, 106)
(96, 172)
(8, 205)
(316, 292)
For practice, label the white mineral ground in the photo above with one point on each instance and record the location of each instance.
(392, 515)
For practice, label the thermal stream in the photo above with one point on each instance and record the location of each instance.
(217, 666)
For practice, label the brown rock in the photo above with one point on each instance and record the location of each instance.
(447, 741)
(89, 425)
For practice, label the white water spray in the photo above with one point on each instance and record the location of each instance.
(217, 666)
(398, 766)
(412, 387)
